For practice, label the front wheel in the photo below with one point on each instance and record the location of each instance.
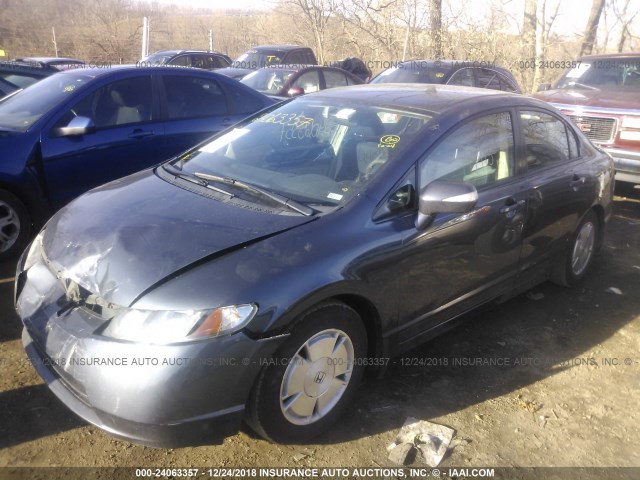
(15, 225)
(312, 377)
(581, 252)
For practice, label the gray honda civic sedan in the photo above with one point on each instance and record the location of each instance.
(258, 274)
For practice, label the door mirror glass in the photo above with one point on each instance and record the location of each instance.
(443, 196)
(77, 126)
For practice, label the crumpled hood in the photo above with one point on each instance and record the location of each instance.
(591, 98)
(119, 240)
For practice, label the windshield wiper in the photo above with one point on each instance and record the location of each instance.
(578, 84)
(281, 199)
(193, 179)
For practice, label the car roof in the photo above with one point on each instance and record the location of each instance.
(289, 67)
(430, 62)
(176, 52)
(426, 63)
(294, 67)
(49, 60)
(100, 72)
(23, 66)
(610, 56)
(425, 98)
(283, 48)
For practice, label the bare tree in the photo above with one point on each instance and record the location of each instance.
(435, 9)
(529, 34)
(625, 20)
(315, 15)
(543, 27)
(372, 23)
(591, 30)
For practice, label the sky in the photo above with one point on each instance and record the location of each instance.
(572, 16)
(221, 4)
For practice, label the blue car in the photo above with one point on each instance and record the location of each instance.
(79, 129)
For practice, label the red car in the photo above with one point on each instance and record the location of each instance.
(601, 94)
(294, 80)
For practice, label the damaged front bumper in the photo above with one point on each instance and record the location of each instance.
(159, 395)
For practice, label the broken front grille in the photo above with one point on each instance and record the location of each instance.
(597, 129)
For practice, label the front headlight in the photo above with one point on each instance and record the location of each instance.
(161, 327)
(630, 129)
(631, 122)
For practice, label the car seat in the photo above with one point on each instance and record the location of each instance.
(365, 128)
(127, 111)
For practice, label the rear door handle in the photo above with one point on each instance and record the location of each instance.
(577, 181)
(511, 207)
(139, 133)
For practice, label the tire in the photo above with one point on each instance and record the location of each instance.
(312, 377)
(15, 225)
(580, 254)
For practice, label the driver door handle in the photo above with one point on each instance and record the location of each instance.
(577, 181)
(139, 133)
(510, 207)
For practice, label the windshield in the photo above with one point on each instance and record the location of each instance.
(407, 74)
(18, 112)
(267, 80)
(311, 151)
(19, 80)
(253, 59)
(604, 74)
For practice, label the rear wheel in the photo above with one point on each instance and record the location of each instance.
(581, 252)
(312, 377)
(15, 225)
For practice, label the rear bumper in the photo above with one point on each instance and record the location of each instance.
(627, 164)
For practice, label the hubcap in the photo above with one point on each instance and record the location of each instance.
(316, 377)
(583, 248)
(9, 226)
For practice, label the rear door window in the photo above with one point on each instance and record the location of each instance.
(295, 58)
(463, 77)
(190, 97)
(546, 139)
(506, 84)
(486, 78)
(334, 79)
(309, 81)
(182, 60)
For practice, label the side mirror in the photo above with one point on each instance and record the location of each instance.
(442, 196)
(543, 87)
(77, 126)
(295, 91)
